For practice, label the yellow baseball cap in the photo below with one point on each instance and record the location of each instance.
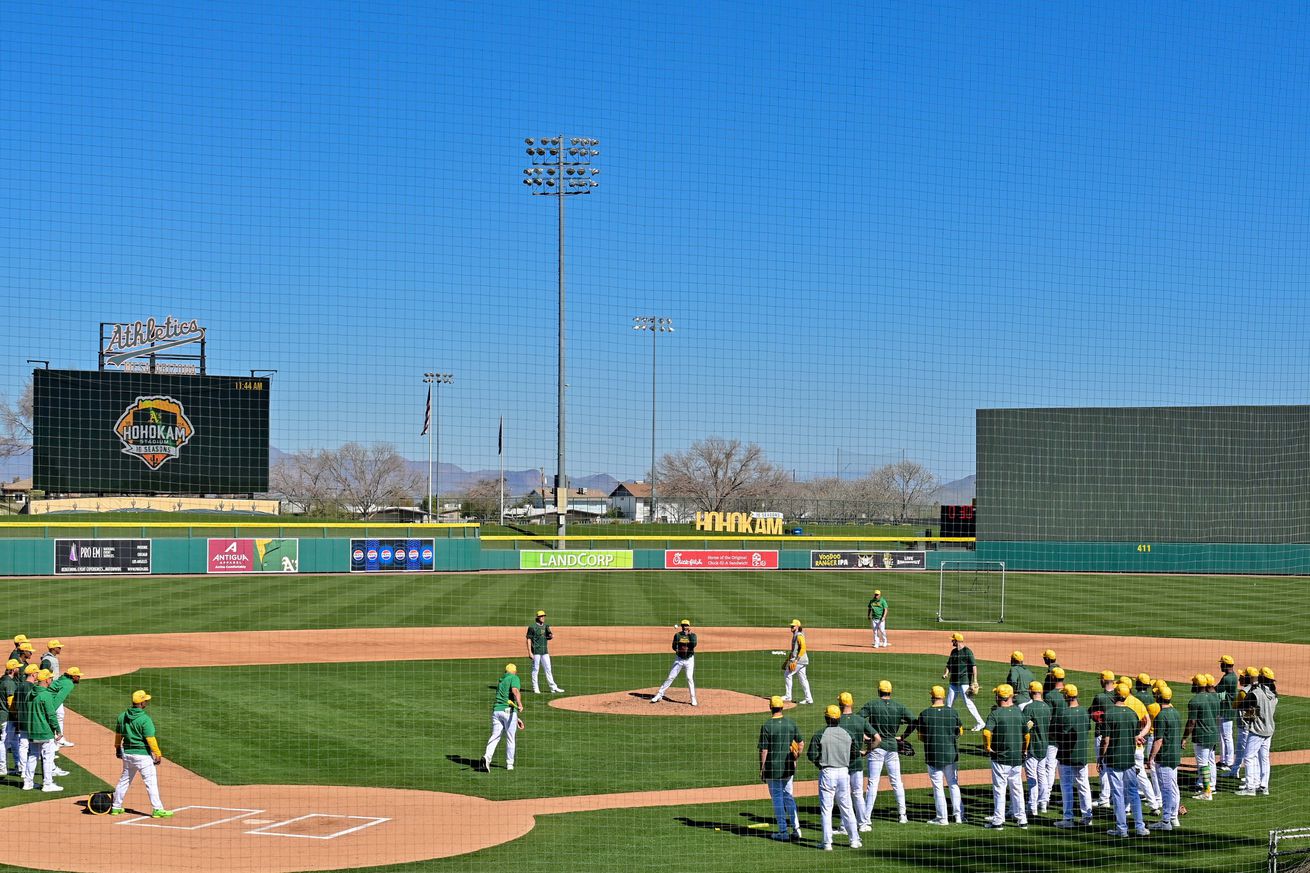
(1226, 660)
(13, 664)
(1123, 691)
(1004, 690)
(938, 692)
(43, 675)
(1057, 673)
(1157, 684)
(1017, 656)
(832, 711)
(685, 621)
(1034, 686)
(1166, 694)
(140, 697)
(1267, 672)
(1049, 654)
(1070, 690)
(1199, 679)
(1143, 679)
(845, 699)
(1107, 676)
(54, 644)
(31, 670)
(540, 613)
(1153, 709)
(1252, 672)
(25, 647)
(795, 622)
(884, 687)
(775, 702)
(1123, 679)
(957, 637)
(510, 668)
(877, 593)
(21, 638)
(75, 672)
(1209, 680)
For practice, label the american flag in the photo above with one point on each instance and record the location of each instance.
(500, 440)
(427, 413)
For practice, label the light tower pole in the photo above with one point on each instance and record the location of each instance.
(561, 170)
(656, 325)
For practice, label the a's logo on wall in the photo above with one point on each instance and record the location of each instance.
(154, 429)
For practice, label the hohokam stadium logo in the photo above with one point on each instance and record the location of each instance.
(154, 429)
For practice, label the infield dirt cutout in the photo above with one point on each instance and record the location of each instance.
(276, 828)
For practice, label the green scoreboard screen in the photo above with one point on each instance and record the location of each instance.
(1203, 474)
(145, 433)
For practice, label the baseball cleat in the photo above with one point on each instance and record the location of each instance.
(117, 810)
(28, 786)
(1066, 823)
(797, 834)
(557, 691)
(979, 726)
(782, 838)
(656, 699)
(51, 788)
(866, 828)
(1164, 826)
(1023, 825)
(993, 824)
(161, 813)
(1115, 832)
(857, 844)
(1143, 832)
(1264, 791)
(66, 743)
(826, 848)
(904, 819)
(509, 766)
(941, 822)
(1203, 795)
(1245, 792)
(59, 772)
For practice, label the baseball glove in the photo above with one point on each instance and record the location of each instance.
(904, 748)
(795, 748)
(973, 689)
(789, 666)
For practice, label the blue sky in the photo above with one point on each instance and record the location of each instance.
(866, 221)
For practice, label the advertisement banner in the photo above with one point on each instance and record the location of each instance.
(720, 559)
(392, 556)
(868, 560)
(577, 559)
(102, 556)
(253, 556)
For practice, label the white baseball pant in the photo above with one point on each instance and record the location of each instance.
(132, 765)
(1257, 762)
(503, 722)
(1227, 754)
(1037, 779)
(20, 758)
(679, 665)
(1124, 796)
(1150, 794)
(835, 786)
(45, 749)
(1074, 779)
(9, 743)
(1169, 799)
(1052, 770)
(939, 778)
(1007, 779)
(1239, 759)
(879, 632)
(963, 691)
(539, 661)
(798, 672)
(879, 759)
(1205, 766)
(857, 796)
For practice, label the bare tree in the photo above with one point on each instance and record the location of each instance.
(907, 483)
(305, 479)
(16, 424)
(482, 498)
(369, 478)
(717, 474)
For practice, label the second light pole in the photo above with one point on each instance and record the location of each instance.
(656, 325)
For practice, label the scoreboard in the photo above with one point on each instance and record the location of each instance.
(958, 521)
(149, 433)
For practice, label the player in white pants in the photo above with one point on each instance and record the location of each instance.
(1039, 762)
(135, 744)
(887, 717)
(1258, 708)
(539, 636)
(864, 734)
(830, 750)
(877, 612)
(684, 660)
(962, 675)
(798, 660)
(506, 718)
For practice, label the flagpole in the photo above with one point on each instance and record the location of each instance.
(500, 448)
(427, 428)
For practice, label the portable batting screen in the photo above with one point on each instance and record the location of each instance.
(146, 433)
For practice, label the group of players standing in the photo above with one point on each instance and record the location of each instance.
(32, 695)
(1038, 731)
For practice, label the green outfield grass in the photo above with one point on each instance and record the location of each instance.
(367, 724)
(1160, 606)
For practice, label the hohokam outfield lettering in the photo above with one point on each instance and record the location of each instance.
(738, 522)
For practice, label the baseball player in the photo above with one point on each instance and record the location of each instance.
(1048, 658)
(21, 703)
(1019, 678)
(1103, 701)
(42, 732)
(1166, 754)
(24, 653)
(940, 727)
(1245, 680)
(878, 619)
(9, 729)
(506, 717)
(1071, 728)
(1258, 709)
(830, 750)
(1203, 730)
(16, 654)
(864, 736)
(780, 745)
(961, 674)
(60, 688)
(539, 636)
(1005, 740)
(138, 748)
(798, 659)
(1146, 790)
(684, 658)
(1227, 691)
(887, 717)
(50, 661)
(1040, 762)
(1121, 732)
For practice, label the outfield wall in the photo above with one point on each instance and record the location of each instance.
(1090, 557)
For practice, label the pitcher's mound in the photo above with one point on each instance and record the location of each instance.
(712, 701)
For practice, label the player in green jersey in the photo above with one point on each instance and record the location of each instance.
(940, 728)
(506, 717)
(1122, 730)
(1019, 678)
(877, 611)
(1166, 754)
(1071, 730)
(1039, 765)
(780, 744)
(865, 736)
(887, 717)
(1203, 730)
(1005, 740)
(539, 636)
(1227, 691)
(961, 675)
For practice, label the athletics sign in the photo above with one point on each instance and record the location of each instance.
(123, 345)
(253, 556)
(577, 559)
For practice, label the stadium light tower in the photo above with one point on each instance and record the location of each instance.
(433, 427)
(561, 168)
(656, 325)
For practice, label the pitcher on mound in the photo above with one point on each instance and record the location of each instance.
(684, 658)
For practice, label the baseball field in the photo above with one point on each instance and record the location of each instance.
(330, 722)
